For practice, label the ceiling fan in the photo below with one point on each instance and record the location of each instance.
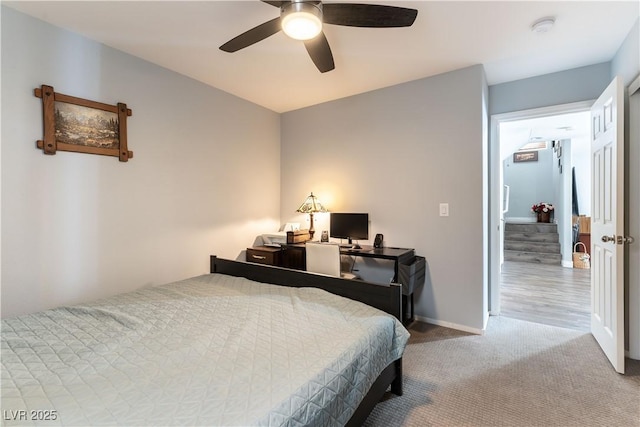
(303, 20)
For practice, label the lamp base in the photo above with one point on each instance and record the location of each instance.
(311, 230)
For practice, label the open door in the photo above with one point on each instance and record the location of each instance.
(607, 226)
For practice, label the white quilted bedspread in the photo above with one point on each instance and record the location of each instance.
(211, 350)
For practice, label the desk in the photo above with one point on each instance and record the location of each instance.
(397, 255)
(294, 256)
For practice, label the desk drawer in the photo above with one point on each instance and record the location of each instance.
(266, 255)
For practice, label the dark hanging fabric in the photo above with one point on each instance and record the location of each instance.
(574, 197)
(574, 205)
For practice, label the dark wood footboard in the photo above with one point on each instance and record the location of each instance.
(392, 375)
(383, 297)
(387, 298)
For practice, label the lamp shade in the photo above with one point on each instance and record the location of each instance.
(311, 205)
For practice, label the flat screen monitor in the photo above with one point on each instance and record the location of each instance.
(352, 226)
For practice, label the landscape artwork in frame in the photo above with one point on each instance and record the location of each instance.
(83, 126)
(79, 125)
(525, 156)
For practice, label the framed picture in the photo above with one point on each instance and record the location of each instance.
(558, 148)
(83, 126)
(525, 156)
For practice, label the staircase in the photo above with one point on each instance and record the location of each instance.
(535, 242)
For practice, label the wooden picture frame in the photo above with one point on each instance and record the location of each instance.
(83, 126)
(525, 156)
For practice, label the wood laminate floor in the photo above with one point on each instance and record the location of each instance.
(548, 294)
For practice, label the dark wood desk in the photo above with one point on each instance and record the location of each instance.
(397, 255)
(294, 256)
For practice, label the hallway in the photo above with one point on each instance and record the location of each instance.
(547, 294)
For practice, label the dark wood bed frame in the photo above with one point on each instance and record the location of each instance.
(386, 298)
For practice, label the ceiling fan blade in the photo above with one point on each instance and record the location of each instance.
(320, 53)
(368, 15)
(275, 3)
(252, 36)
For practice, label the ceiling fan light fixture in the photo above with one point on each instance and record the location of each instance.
(301, 20)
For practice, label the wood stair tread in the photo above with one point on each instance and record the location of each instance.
(532, 242)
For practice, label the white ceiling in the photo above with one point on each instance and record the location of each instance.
(278, 74)
(514, 134)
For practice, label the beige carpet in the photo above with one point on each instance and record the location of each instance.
(517, 374)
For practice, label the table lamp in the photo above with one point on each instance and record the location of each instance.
(311, 205)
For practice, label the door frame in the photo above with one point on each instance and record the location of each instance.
(633, 224)
(495, 185)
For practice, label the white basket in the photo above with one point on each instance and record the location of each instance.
(581, 259)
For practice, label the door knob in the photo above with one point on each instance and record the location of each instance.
(625, 239)
(621, 240)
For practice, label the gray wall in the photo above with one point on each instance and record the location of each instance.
(530, 183)
(76, 227)
(397, 153)
(578, 84)
(626, 62)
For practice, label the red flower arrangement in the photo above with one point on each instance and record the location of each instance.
(542, 207)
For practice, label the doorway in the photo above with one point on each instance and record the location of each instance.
(515, 288)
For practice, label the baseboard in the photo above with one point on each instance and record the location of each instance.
(567, 264)
(450, 325)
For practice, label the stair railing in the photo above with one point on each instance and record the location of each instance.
(505, 199)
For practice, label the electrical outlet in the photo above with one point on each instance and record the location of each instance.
(444, 209)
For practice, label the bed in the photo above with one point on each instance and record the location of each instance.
(244, 345)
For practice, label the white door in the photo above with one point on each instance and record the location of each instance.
(607, 223)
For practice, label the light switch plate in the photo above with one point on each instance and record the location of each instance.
(444, 209)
